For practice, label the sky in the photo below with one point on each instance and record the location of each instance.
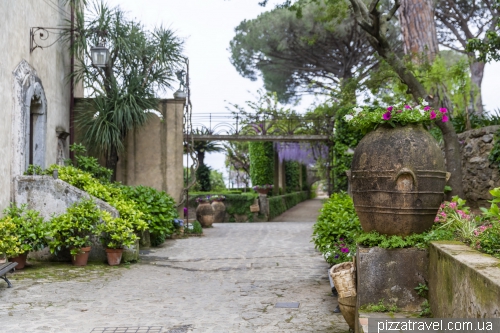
(207, 26)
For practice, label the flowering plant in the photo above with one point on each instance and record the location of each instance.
(204, 199)
(367, 118)
(340, 251)
(456, 206)
(218, 197)
(263, 187)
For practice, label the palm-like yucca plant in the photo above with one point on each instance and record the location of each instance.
(142, 64)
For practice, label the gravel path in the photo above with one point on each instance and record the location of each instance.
(229, 280)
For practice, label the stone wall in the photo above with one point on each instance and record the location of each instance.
(463, 283)
(479, 177)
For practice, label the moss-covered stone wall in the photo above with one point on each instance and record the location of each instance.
(463, 283)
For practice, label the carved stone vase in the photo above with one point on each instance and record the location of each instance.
(397, 180)
(205, 214)
(219, 211)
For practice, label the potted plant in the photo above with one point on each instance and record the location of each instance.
(31, 231)
(218, 207)
(204, 211)
(398, 173)
(263, 189)
(115, 234)
(9, 242)
(73, 230)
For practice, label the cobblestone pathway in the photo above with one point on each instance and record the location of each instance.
(229, 280)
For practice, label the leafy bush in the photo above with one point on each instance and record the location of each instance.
(194, 228)
(203, 177)
(73, 229)
(292, 175)
(371, 239)
(336, 228)
(158, 208)
(115, 233)
(9, 242)
(30, 228)
(261, 162)
(89, 164)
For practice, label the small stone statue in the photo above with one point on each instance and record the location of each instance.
(181, 77)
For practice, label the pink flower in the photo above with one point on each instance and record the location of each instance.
(344, 250)
(387, 115)
(407, 107)
(453, 204)
(443, 214)
(443, 110)
(445, 118)
(433, 114)
(389, 108)
(427, 108)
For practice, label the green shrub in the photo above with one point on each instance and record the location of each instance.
(74, 228)
(115, 233)
(194, 228)
(9, 242)
(371, 239)
(292, 175)
(261, 162)
(158, 208)
(89, 164)
(31, 229)
(203, 177)
(336, 228)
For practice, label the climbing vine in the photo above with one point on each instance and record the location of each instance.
(292, 174)
(261, 162)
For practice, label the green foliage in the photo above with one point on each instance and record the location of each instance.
(488, 239)
(292, 175)
(9, 242)
(34, 170)
(422, 290)
(280, 204)
(158, 209)
(115, 233)
(74, 228)
(89, 164)
(142, 64)
(111, 193)
(239, 203)
(425, 310)
(380, 307)
(194, 228)
(261, 162)
(203, 178)
(371, 239)
(336, 228)
(30, 228)
(217, 181)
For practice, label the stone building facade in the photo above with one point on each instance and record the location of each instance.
(35, 94)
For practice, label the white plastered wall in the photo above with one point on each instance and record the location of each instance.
(44, 71)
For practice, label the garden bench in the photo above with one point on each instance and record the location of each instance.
(4, 269)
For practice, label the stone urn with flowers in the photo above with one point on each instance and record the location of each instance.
(204, 211)
(398, 171)
(263, 189)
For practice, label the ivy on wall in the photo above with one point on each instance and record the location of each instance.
(261, 162)
(344, 138)
(292, 175)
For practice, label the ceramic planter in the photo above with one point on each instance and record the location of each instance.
(219, 211)
(114, 256)
(397, 180)
(20, 259)
(82, 257)
(205, 214)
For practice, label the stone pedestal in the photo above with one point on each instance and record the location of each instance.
(391, 275)
(264, 204)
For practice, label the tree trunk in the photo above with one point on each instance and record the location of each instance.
(112, 161)
(477, 72)
(201, 158)
(418, 28)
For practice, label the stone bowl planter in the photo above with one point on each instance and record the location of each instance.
(219, 211)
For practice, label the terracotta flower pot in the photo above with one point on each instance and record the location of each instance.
(397, 180)
(205, 214)
(82, 257)
(219, 211)
(263, 191)
(20, 259)
(114, 256)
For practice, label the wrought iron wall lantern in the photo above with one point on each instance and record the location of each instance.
(40, 37)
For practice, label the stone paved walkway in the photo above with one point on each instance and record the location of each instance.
(229, 280)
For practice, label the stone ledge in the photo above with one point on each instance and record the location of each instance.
(362, 322)
(463, 282)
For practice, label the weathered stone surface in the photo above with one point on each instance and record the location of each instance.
(391, 275)
(463, 283)
(479, 177)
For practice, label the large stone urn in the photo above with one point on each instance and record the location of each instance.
(219, 211)
(397, 180)
(205, 214)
